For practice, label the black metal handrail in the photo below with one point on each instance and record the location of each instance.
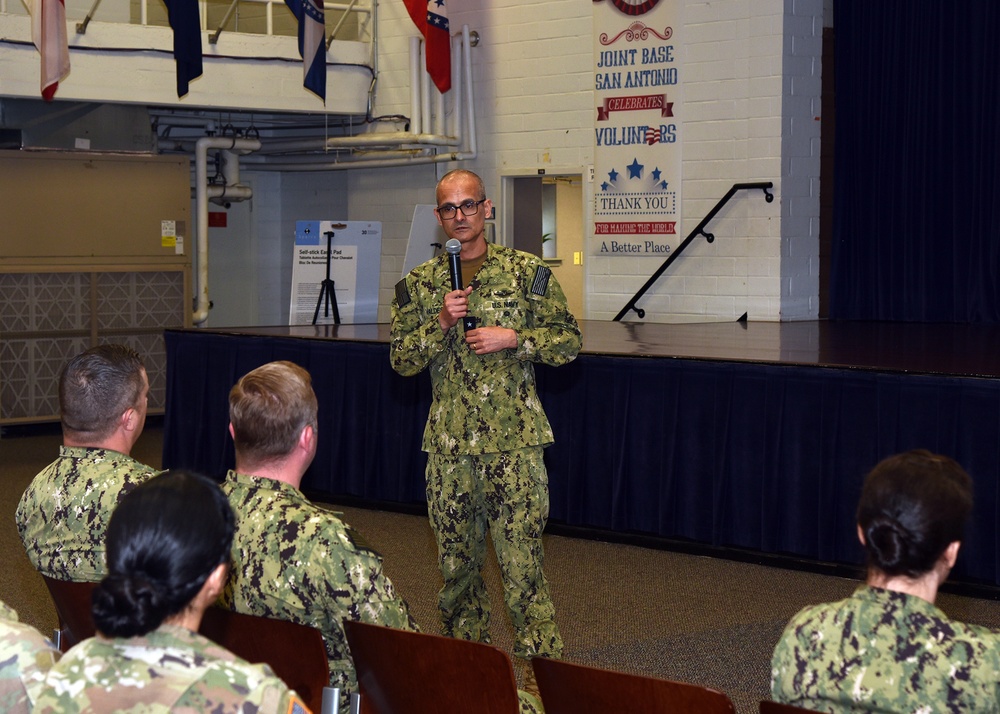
(699, 230)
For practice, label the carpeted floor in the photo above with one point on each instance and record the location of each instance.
(670, 615)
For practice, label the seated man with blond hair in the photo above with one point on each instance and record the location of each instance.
(293, 560)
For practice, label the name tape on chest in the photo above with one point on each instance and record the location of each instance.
(402, 293)
(540, 283)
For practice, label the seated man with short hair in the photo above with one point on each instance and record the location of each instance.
(64, 513)
(291, 559)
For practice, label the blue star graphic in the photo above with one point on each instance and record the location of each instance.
(663, 185)
(635, 169)
(613, 175)
(439, 3)
(656, 174)
(605, 186)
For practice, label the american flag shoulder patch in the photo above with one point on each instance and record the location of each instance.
(297, 706)
(540, 283)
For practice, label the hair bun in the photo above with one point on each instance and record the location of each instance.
(127, 605)
(888, 543)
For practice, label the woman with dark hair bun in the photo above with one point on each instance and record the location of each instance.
(887, 648)
(168, 546)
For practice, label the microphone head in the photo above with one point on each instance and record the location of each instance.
(453, 247)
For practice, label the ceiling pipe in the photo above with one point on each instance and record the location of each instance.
(341, 165)
(202, 190)
(415, 124)
(284, 146)
(256, 163)
(472, 151)
(454, 124)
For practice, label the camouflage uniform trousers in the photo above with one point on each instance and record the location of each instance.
(506, 494)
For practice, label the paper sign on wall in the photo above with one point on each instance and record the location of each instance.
(355, 249)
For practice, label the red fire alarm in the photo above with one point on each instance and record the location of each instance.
(217, 219)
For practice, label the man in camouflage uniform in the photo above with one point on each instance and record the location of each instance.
(64, 513)
(168, 669)
(25, 658)
(486, 429)
(885, 651)
(291, 559)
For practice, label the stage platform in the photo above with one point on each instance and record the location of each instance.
(752, 437)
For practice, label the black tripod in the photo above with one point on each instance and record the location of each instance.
(326, 289)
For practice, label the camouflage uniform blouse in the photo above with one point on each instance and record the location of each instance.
(170, 669)
(25, 658)
(295, 561)
(885, 651)
(64, 513)
(484, 403)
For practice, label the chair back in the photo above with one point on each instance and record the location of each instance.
(295, 652)
(72, 601)
(769, 707)
(577, 689)
(403, 672)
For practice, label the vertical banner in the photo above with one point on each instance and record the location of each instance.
(354, 257)
(637, 133)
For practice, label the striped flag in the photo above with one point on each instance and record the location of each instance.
(431, 18)
(48, 32)
(312, 43)
(652, 135)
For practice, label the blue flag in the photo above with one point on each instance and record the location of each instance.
(186, 23)
(312, 43)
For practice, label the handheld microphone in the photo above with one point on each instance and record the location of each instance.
(453, 248)
(454, 265)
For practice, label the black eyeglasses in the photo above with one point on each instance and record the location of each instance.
(469, 208)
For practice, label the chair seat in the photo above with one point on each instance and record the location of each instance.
(403, 672)
(295, 652)
(73, 602)
(577, 689)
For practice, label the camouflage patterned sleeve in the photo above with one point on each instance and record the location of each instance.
(552, 335)
(416, 336)
(382, 606)
(787, 669)
(376, 597)
(25, 658)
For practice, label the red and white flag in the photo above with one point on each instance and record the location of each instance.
(431, 18)
(48, 32)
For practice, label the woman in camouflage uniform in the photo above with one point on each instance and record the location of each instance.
(168, 547)
(887, 648)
